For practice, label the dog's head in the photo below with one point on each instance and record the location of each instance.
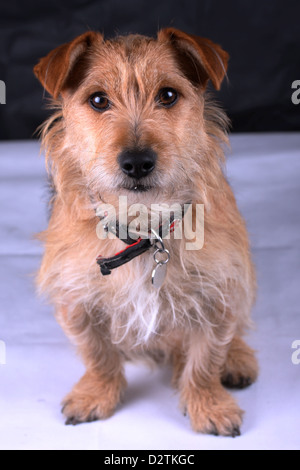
(133, 118)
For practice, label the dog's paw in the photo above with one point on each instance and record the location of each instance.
(241, 368)
(92, 399)
(237, 380)
(214, 411)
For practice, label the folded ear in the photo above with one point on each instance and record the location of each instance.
(199, 58)
(56, 69)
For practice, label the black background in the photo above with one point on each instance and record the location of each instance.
(262, 38)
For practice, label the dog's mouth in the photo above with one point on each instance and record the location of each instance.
(137, 188)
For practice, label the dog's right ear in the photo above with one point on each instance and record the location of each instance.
(55, 70)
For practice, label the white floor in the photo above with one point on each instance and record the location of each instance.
(41, 366)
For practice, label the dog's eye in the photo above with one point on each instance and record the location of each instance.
(99, 102)
(167, 97)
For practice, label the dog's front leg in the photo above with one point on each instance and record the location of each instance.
(98, 392)
(210, 407)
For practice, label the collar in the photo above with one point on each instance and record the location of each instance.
(137, 243)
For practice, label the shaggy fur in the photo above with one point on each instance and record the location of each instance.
(197, 318)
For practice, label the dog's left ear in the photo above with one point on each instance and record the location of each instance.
(57, 69)
(200, 59)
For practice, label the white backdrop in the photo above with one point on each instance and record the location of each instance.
(41, 366)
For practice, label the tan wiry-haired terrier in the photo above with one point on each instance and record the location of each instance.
(133, 119)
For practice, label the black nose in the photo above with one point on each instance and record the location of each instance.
(137, 163)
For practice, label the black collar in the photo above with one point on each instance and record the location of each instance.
(135, 247)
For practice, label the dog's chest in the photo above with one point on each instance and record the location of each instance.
(134, 305)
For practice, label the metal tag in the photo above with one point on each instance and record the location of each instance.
(158, 275)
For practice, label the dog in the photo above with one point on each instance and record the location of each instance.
(134, 118)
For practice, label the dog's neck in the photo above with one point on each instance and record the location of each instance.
(138, 241)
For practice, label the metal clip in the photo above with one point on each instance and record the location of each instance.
(160, 271)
